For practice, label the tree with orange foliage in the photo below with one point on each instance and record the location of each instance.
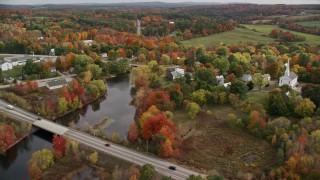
(149, 44)
(157, 98)
(133, 132)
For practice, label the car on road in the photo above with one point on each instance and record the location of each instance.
(10, 107)
(172, 167)
(108, 145)
(38, 118)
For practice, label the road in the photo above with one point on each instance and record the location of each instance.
(115, 150)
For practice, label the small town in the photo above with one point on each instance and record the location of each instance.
(159, 90)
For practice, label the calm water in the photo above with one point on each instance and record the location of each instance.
(115, 107)
(13, 166)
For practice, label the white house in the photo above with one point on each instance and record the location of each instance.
(267, 77)
(88, 42)
(246, 77)
(220, 79)
(289, 78)
(55, 84)
(5, 66)
(177, 73)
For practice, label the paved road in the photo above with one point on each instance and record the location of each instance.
(115, 150)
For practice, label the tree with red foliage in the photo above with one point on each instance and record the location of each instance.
(77, 88)
(59, 146)
(157, 98)
(155, 124)
(32, 86)
(133, 132)
(20, 88)
(7, 136)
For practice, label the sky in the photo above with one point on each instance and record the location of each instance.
(38, 2)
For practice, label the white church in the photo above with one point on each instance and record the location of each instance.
(289, 78)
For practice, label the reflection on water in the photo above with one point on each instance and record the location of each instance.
(116, 106)
(14, 164)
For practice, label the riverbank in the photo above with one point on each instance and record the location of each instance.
(34, 129)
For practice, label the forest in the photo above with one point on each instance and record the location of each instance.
(194, 104)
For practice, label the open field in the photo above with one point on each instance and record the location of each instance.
(16, 72)
(310, 23)
(258, 97)
(254, 34)
(287, 17)
(230, 37)
(266, 29)
(203, 147)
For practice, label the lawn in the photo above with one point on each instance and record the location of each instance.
(266, 29)
(258, 97)
(310, 23)
(230, 37)
(203, 148)
(16, 72)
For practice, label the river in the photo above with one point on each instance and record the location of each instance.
(115, 107)
(14, 164)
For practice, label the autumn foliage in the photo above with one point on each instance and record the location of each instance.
(59, 146)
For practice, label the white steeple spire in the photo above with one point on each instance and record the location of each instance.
(288, 68)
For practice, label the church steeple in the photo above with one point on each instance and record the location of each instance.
(288, 68)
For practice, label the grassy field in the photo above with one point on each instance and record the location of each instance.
(16, 72)
(230, 37)
(266, 29)
(310, 23)
(204, 145)
(254, 34)
(258, 97)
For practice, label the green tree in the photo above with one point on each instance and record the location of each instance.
(222, 64)
(205, 78)
(239, 87)
(147, 172)
(42, 159)
(31, 68)
(62, 105)
(305, 107)
(199, 96)
(165, 59)
(193, 109)
(276, 103)
(93, 157)
(81, 62)
(94, 69)
(259, 80)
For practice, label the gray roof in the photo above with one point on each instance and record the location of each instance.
(291, 76)
(2, 62)
(57, 82)
(246, 76)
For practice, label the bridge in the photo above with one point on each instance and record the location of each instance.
(124, 153)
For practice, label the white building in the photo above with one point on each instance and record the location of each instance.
(289, 78)
(177, 73)
(246, 77)
(220, 79)
(88, 42)
(5, 66)
(55, 84)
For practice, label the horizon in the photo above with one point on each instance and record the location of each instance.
(70, 2)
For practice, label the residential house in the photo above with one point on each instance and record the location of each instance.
(177, 73)
(220, 79)
(87, 42)
(289, 78)
(5, 66)
(266, 76)
(246, 77)
(55, 84)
